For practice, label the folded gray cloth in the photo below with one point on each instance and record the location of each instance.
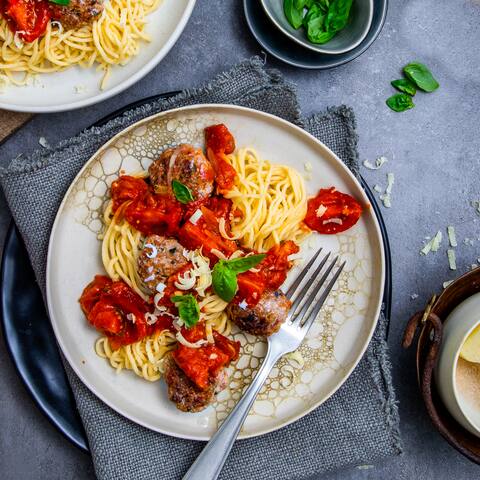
(359, 424)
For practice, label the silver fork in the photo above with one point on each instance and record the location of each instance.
(305, 309)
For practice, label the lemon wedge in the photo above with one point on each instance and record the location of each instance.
(471, 348)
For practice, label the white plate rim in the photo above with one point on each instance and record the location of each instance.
(78, 371)
(100, 97)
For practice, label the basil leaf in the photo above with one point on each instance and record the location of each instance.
(188, 309)
(338, 14)
(316, 35)
(294, 15)
(243, 264)
(314, 12)
(224, 281)
(421, 76)
(400, 102)
(323, 5)
(182, 192)
(60, 2)
(405, 86)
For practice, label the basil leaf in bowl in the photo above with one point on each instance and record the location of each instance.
(182, 193)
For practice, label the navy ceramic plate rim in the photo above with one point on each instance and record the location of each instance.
(317, 61)
(68, 422)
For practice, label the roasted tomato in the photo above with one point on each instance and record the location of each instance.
(27, 17)
(154, 214)
(127, 188)
(332, 211)
(272, 273)
(148, 212)
(107, 304)
(219, 143)
(205, 234)
(202, 365)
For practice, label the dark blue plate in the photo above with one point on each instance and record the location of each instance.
(281, 47)
(30, 339)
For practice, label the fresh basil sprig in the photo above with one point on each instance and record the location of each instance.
(60, 2)
(405, 86)
(188, 309)
(182, 193)
(421, 76)
(400, 102)
(224, 275)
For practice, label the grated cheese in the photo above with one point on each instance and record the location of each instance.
(308, 167)
(433, 245)
(452, 261)
(131, 317)
(321, 210)
(452, 238)
(153, 248)
(476, 205)
(377, 188)
(447, 283)
(160, 287)
(338, 221)
(243, 304)
(378, 163)
(43, 142)
(151, 318)
(386, 197)
(196, 216)
(414, 296)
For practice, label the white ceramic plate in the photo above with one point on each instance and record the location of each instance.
(335, 343)
(56, 92)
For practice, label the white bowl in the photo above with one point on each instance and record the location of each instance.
(457, 327)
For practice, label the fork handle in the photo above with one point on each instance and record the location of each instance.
(209, 463)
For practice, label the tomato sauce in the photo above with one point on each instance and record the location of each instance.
(28, 17)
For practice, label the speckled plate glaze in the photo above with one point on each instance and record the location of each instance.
(335, 343)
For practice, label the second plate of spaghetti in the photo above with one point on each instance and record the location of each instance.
(170, 256)
(63, 54)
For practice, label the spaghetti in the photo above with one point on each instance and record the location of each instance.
(112, 39)
(271, 199)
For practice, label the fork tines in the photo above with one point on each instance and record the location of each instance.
(305, 294)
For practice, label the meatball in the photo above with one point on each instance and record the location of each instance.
(159, 258)
(186, 164)
(183, 392)
(265, 318)
(77, 13)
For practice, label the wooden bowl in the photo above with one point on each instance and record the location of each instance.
(430, 324)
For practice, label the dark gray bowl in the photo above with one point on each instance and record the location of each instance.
(349, 38)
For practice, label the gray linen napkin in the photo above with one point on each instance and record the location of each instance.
(359, 424)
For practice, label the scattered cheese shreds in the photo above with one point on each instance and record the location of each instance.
(452, 261)
(447, 283)
(308, 167)
(414, 296)
(433, 245)
(378, 163)
(468, 241)
(378, 188)
(43, 142)
(385, 198)
(473, 266)
(452, 238)
(476, 205)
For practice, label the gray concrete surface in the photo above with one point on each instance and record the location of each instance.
(433, 151)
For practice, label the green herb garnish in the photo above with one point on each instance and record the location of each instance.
(182, 192)
(224, 275)
(421, 76)
(400, 102)
(405, 86)
(188, 309)
(321, 19)
(60, 2)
